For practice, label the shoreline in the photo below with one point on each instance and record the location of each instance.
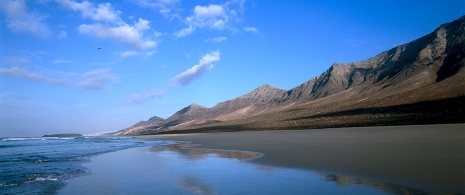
(179, 169)
(427, 157)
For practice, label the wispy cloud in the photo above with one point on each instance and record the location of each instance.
(141, 97)
(168, 8)
(184, 78)
(250, 29)
(193, 73)
(62, 61)
(216, 39)
(15, 60)
(184, 32)
(19, 19)
(126, 54)
(24, 74)
(62, 34)
(97, 79)
(149, 53)
(109, 25)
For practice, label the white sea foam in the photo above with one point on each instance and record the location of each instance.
(21, 138)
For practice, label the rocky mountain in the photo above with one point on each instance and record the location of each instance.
(421, 82)
(152, 121)
(186, 114)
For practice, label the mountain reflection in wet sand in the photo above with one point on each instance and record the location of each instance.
(191, 152)
(347, 181)
(188, 150)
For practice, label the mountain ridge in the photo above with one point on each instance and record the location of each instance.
(402, 75)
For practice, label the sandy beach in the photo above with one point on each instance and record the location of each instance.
(180, 169)
(375, 160)
(428, 157)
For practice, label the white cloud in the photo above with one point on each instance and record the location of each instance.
(21, 73)
(109, 25)
(193, 73)
(124, 33)
(216, 39)
(184, 32)
(250, 29)
(213, 16)
(97, 79)
(102, 12)
(20, 20)
(138, 98)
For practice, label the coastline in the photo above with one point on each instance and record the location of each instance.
(427, 157)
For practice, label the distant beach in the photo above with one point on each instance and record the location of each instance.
(427, 157)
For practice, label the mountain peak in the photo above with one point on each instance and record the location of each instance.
(191, 108)
(194, 105)
(264, 94)
(155, 118)
(266, 88)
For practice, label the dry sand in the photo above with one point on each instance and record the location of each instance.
(429, 157)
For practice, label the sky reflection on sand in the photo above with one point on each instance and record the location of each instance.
(179, 169)
(190, 151)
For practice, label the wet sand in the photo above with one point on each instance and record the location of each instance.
(179, 169)
(428, 157)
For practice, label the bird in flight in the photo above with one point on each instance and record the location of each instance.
(99, 48)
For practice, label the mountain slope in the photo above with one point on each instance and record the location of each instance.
(391, 88)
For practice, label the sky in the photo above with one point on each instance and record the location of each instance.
(99, 66)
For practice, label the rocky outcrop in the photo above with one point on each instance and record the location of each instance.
(429, 68)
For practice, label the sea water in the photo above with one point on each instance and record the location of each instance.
(41, 165)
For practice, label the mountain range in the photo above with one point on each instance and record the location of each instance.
(420, 82)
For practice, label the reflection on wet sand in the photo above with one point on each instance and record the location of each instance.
(188, 150)
(196, 185)
(346, 180)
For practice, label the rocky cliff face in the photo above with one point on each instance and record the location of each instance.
(433, 61)
(432, 58)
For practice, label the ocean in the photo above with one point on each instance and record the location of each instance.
(41, 165)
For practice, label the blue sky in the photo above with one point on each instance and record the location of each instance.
(96, 66)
